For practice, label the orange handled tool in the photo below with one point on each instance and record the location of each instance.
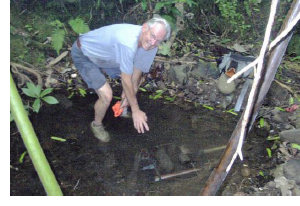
(117, 110)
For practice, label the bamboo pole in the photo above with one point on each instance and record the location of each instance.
(32, 144)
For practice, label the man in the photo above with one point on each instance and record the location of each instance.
(121, 50)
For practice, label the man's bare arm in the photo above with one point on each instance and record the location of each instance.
(138, 116)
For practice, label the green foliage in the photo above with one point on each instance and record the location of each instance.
(295, 146)
(22, 157)
(58, 36)
(75, 90)
(79, 26)
(39, 95)
(164, 49)
(232, 112)
(261, 122)
(294, 45)
(169, 11)
(59, 139)
(231, 11)
(157, 95)
(269, 152)
(208, 107)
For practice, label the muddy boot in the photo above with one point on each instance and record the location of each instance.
(100, 133)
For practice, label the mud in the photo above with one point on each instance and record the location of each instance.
(129, 164)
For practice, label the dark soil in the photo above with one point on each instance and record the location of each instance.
(84, 166)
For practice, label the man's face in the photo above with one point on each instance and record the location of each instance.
(152, 37)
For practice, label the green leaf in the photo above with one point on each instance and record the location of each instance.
(117, 98)
(22, 157)
(159, 91)
(79, 26)
(71, 95)
(164, 49)
(271, 138)
(261, 173)
(36, 105)
(232, 112)
(280, 109)
(36, 90)
(261, 122)
(50, 100)
(171, 20)
(57, 24)
(46, 91)
(82, 92)
(175, 11)
(269, 152)
(291, 101)
(144, 5)
(170, 98)
(295, 146)
(58, 38)
(29, 92)
(58, 139)
(207, 107)
(142, 89)
(159, 5)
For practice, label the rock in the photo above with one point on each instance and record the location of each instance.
(277, 96)
(240, 194)
(292, 135)
(213, 97)
(278, 171)
(271, 184)
(110, 161)
(296, 191)
(288, 127)
(245, 171)
(224, 102)
(285, 185)
(64, 101)
(161, 85)
(297, 123)
(223, 86)
(164, 160)
(184, 149)
(205, 70)
(178, 74)
(183, 158)
(275, 111)
(277, 118)
(291, 170)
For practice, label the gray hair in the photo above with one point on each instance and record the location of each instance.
(158, 19)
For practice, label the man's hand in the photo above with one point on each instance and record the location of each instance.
(140, 121)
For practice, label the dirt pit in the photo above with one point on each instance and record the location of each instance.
(180, 139)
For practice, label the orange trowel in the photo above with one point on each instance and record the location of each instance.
(117, 109)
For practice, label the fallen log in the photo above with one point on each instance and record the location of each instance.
(219, 174)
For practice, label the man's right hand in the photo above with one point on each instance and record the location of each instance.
(140, 121)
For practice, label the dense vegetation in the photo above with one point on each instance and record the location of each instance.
(33, 22)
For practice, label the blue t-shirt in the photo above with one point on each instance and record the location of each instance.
(116, 47)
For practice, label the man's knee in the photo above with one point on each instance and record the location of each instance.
(105, 94)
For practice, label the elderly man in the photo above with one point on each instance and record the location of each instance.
(120, 50)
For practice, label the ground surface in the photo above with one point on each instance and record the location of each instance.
(83, 166)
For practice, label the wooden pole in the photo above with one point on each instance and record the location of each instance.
(218, 175)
